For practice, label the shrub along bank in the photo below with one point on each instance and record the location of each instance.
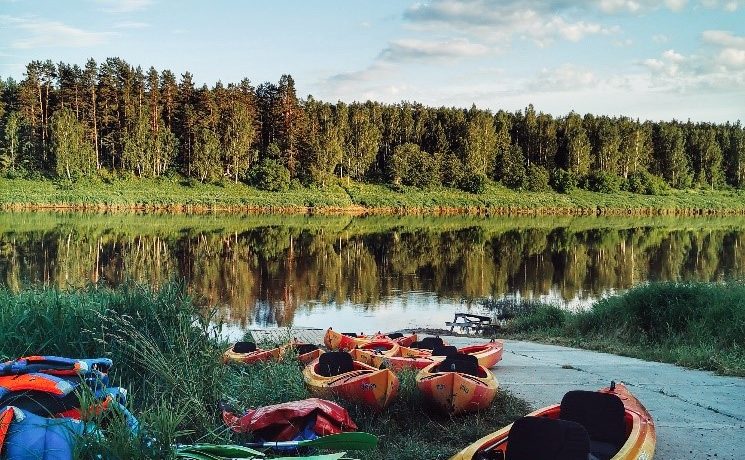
(699, 325)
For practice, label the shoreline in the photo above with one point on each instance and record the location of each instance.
(361, 211)
(356, 199)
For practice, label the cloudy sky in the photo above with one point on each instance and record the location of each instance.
(644, 58)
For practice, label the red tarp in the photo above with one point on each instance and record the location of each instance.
(282, 422)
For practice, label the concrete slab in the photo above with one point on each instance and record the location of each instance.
(698, 414)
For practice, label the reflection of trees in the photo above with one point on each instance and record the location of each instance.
(265, 274)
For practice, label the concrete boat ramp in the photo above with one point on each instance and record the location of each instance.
(698, 415)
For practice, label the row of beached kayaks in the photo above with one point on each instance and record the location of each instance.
(608, 424)
(363, 369)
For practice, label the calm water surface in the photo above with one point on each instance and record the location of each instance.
(366, 274)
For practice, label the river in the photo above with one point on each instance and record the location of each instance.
(365, 273)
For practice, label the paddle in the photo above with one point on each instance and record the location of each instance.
(339, 441)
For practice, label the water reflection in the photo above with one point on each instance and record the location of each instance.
(280, 270)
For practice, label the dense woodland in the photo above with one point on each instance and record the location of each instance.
(112, 119)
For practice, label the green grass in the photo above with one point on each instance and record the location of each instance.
(179, 194)
(167, 353)
(699, 325)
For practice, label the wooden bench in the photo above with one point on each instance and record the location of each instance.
(468, 321)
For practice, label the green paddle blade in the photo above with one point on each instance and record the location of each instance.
(315, 457)
(339, 441)
(349, 441)
(217, 451)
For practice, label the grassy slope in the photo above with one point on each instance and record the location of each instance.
(175, 192)
(700, 325)
(168, 355)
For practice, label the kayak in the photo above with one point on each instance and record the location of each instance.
(247, 353)
(434, 351)
(608, 424)
(337, 373)
(377, 348)
(407, 358)
(347, 341)
(458, 384)
(488, 354)
(306, 352)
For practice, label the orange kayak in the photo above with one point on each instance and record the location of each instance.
(377, 348)
(247, 353)
(306, 352)
(488, 354)
(458, 384)
(608, 423)
(347, 341)
(411, 358)
(337, 373)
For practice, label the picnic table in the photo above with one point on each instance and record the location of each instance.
(469, 321)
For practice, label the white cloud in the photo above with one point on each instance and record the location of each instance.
(131, 25)
(564, 78)
(123, 6)
(413, 49)
(719, 69)
(660, 38)
(723, 38)
(726, 5)
(500, 20)
(39, 33)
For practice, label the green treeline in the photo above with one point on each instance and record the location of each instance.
(111, 118)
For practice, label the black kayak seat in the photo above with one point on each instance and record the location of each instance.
(244, 347)
(542, 438)
(602, 415)
(335, 363)
(349, 334)
(443, 350)
(428, 343)
(465, 364)
(305, 348)
(395, 335)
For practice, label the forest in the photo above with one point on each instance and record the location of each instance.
(110, 119)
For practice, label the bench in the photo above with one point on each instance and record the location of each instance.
(468, 321)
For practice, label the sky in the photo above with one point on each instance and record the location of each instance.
(648, 59)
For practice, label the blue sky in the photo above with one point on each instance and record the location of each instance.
(643, 58)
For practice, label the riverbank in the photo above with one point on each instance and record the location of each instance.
(166, 352)
(179, 195)
(698, 325)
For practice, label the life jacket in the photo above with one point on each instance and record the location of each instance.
(27, 436)
(51, 386)
(55, 365)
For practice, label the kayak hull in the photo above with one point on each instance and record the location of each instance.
(376, 348)
(640, 444)
(455, 392)
(338, 341)
(375, 388)
(488, 354)
(259, 355)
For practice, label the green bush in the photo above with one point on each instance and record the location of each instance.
(473, 183)
(412, 166)
(563, 181)
(540, 317)
(537, 179)
(270, 175)
(452, 170)
(646, 183)
(604, 182)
